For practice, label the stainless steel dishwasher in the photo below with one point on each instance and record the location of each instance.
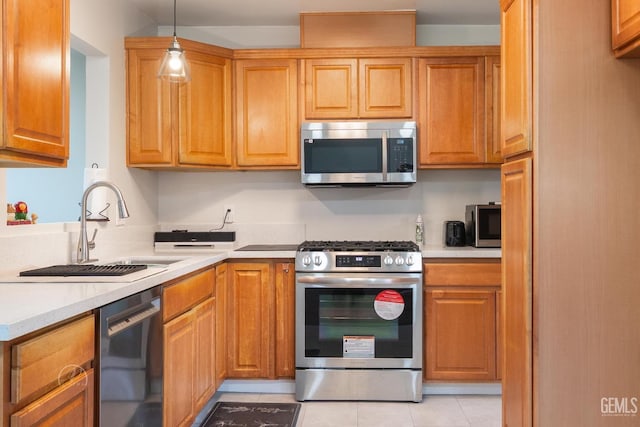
(130, 361)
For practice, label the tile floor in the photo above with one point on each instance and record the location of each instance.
(435, 410)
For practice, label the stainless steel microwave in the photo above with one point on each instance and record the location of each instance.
(483, 225)
(358, 153)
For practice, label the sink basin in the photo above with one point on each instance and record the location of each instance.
(151, 260)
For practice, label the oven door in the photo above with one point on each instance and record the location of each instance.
(359, 320)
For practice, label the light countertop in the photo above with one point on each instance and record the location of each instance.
(27, 305)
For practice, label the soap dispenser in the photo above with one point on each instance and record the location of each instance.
(419, 230)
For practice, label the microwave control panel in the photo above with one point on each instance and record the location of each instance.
(400, 155)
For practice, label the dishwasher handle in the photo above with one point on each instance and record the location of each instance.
(134, 316)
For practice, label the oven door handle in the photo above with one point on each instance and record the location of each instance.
(342, 281)
(137, 315)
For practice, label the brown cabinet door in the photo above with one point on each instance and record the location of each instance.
(492, 109)
(285, 319)
(516, 77)
(331, 88)
(250, 320)
(385, 88)
(461, 335)
(149, 110)
(204, 112)
(36, 95)
(221, 324)
(267, 113)
(70, 404)
(625, 26)
(517, 236)
(205, 354)
(179, 371)
(451, 111)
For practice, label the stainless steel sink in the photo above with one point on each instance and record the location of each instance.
(151, 260)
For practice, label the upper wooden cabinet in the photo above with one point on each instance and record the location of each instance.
(625, 28)
(492, 108)
(451, 103)
(173, 125)
(266, 95)
(516, 77)
(347, 88)
(34, 111)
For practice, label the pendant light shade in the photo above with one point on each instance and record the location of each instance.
(174, 66)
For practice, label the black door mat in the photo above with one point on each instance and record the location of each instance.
(245, 414)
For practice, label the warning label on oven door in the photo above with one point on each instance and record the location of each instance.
(389, 304)
(358, 346)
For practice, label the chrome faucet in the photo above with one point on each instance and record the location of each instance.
(84, 244)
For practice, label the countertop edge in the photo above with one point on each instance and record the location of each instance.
(84, 297)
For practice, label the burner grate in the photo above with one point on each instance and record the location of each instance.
(358, 246)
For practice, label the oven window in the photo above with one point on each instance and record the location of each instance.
(362, 155)
(334, 313)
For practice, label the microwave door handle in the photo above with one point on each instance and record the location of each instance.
(384, 156)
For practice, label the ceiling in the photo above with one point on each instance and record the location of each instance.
(286, 12)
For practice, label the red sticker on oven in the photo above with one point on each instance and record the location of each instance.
(389, 304)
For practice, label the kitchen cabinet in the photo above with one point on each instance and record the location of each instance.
(260, 327)
(47, 376)
(516, 77)
(517, 293)
(189, 380)
(625, 28)
(221, 323)
(460, 319)
(250, 305)
(362, 88)
(35, 108)
(266, 100)
(172, 125)
(492, 109)
(285, 280)
(451, 104)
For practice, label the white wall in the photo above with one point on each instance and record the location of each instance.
(234, 37)
(276, 201)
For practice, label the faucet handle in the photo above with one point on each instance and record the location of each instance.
(92, 243)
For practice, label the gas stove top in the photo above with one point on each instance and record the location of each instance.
(358, 246)
(358, 256)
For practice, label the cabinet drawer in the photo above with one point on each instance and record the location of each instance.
(186, 293)
(70, 404)
(464, 273)
(42, 363)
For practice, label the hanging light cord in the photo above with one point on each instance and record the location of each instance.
(174, 17)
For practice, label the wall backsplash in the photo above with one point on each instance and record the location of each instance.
(270, 198)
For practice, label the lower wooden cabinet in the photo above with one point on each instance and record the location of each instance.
(47, 376)
(189, 347)
(221, 323)
(461, 335)
(461, 332)
(260, 329)
(70, 404)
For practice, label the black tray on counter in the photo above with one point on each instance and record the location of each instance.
(84, 270)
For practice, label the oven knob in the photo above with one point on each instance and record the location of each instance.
(317, 260)
(388, 260)
(410, 260)
(399, 260)
(306, 260)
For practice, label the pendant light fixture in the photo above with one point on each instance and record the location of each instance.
(174, 67)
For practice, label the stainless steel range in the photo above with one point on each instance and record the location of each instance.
(359, 321)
